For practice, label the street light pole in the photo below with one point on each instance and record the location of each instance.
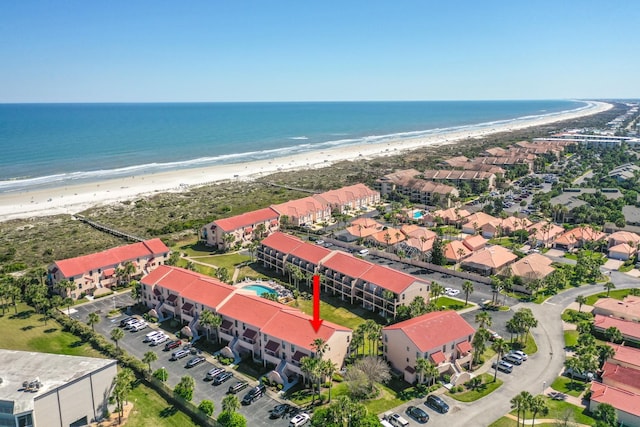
(544, 386)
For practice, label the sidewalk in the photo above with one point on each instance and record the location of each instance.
(545, 421)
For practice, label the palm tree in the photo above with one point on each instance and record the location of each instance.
(230, 403)
(93, 319)
(537, 405)
(573, 365)
(389, 298)
(500, 346)
(605, 352)
(117, 334)
(614, 335)
(436, 290)
(608, 286)
(209, 319)
(320, 346)
(128, 269)
(467, 288)
(68, 302)
(357, 339)
(581, 299)
(373, 335)
(328, 369)
(483, 319)
(310, 366)
(63, 287)
(222, 274)
(149, 357)
(519, 404)
(431, 372)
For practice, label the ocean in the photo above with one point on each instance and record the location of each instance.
(46, 145)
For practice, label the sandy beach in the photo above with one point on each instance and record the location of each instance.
(76, 198)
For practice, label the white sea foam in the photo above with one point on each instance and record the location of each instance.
(21, 184)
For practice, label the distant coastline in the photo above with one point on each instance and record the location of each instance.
(76, 197)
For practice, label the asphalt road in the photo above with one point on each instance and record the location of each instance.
(535, 374)
(257, 413)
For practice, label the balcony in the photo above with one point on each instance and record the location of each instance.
(250, 336)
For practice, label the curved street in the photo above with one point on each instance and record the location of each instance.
(539, 371)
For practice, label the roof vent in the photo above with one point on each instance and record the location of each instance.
(32, 386)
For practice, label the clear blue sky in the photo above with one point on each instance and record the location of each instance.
(271, 50)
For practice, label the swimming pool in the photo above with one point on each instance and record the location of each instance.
(260, 289)
(417, 215)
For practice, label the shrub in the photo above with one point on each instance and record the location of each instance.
(206, 407)
(574, 316)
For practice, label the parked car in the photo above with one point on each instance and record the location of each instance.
(222, 377)
(512, 358)
(583, 376)
(179, 354)
(254, 394)
(213, 372)
(130, 323)
(493, 335)
(159, 339)
(138, 326)
(520, 353)
(279, 411)
(172, 344)
(195, 361)
(503, 366)
(299, 420)
(151, 335)
(395, 419)
(417, 414)
(453, 292)
(238, 387)
(126, 320)
(435, 402)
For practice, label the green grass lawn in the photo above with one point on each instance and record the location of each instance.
(151, 410)
(27, 331)
(570, 339)
(451, 303)
(487, 387)
(567, 386)
(618, 294)
(529, 347)
(193, 248)
(558, 408)
(228, 261)
(626, 268)
(339, 312)
(202, 269)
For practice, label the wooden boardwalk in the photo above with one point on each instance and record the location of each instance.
(109, 230)
(288, 187)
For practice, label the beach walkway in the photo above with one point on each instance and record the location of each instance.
(109, 230)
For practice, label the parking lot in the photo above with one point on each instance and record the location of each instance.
(257, 413)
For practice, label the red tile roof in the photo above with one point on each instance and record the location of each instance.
(311, 253)
(435, 329)
(474, 242)
(247, 219)
(452, 249)
(620, 399)
(347, 264)
(628, 376)
(628, 308)
(630, 329)
(491, 257)
(111, 257)
(294, 327)
(346, 195)
(190, 285)
(390, 279)
(282, 242)
(393, 234)
(301, 207)
(250, 309)
(437, 357)
(626, 354)
(464, 347)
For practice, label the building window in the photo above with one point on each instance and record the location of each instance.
(444, 348)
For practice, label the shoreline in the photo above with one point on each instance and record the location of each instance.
(71, 199)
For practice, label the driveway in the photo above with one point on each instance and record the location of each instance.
(257, 413)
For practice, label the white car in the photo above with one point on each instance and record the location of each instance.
(453, 292)
(299, 420)
(520, 353)
(159, 339)
(138, 326)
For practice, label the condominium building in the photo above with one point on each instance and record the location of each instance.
(96, 273)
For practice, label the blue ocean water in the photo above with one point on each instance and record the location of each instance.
(56, 144)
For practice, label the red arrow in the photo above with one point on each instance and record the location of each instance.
(316, 322)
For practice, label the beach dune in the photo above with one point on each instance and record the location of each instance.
(72, 199)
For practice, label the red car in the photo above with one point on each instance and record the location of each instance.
(172, 344)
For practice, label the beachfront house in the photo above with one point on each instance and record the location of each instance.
(95, 274)
(441, 337)
(305, 211)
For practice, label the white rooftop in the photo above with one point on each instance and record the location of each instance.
(51, 370)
